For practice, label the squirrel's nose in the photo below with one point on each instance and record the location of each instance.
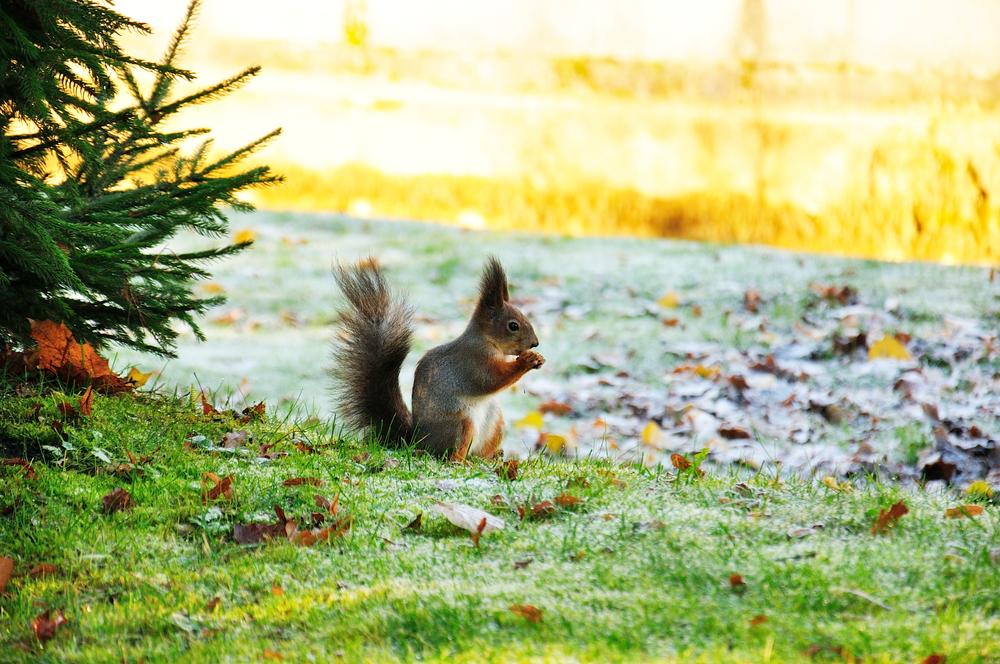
(535, 345)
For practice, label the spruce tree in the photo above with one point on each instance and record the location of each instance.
(92, 187)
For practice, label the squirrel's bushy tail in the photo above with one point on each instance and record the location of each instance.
(368, 352)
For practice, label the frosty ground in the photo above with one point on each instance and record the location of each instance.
(653, 346)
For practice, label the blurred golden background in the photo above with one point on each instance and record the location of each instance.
(865, 128)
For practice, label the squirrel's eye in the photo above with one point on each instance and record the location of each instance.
(513, 326)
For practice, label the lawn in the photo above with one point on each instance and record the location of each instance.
(638, 566)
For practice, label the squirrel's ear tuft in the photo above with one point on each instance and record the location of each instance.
(493, 286)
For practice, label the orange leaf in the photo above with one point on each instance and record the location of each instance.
(6, 570)
(206, 407)
(555, 408)
(888, 518)
(567, 500)
(527, 611)
(272, 654)
(59, 353)
(220, 486)
(508, 469)
(87, 401)
(736, 581)
(963, 510)
(758, 619)
(934, 658)
(46, 624)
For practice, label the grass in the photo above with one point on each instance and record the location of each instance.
(638, 571)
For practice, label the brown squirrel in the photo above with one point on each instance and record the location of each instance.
(454, 410)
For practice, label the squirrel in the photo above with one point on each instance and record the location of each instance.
(455, 413)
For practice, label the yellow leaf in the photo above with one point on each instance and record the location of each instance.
(963, 510)
(833, 485)
(554, 443)
(137, 377)
(888, 347)
(212, 288)
(652, 434)
(245, 235)
(532, 420)
(670, 300)
(979, 489)
(706, 372)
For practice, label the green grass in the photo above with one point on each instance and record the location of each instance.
(638, 571)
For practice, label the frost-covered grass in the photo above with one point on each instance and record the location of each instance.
(639, 570)
(594, 303)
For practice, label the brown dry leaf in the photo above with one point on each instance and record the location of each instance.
(521, 564)
(934, 658)
(555, 408)
(213, 486)
(751, 300)
(6, 570)
(508, 469)
(969, 511)
(206, 407)
(734, 433)
(478, 532)
(43, 569)
(87, 401)
(683, 464)
(543, 509)
(567, 500)
(527, 611)
(213, 604)
(272, 654)
(116, 501)
(736, 582)
(758, 619)
(888, 518)
(331, 506)
(59, 353)
(234, 439)
(45, 624)
(299, 481)
(29, 470)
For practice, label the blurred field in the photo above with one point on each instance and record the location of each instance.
(831, 155)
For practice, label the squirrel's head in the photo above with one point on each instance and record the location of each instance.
(499, 320)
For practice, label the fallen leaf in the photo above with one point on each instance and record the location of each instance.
(532, 420)
(979, 489)
(6, 570)
(734, 433)
(521, 564)
(478, 532)
(888, 347)
(652, 435)
(43, 569)
(232, 440)
(213, 604)
(669, 300)
(555, 408)
(46, 624)
(552, 442)
(272, 654)
(138, 378)
(244, 236)
(206, 407)
(277, 590)
(888, 518)
(567, 500)
(527, 611)
(969, 511)
(683, 464)
(211, 288)
(736, 582)
(758, 619)
(59, 353)
(508, 469)
(833, 485)
(116, 501)
(29, 470)
(214, 486)
(87, 401)
(299, 481)
(468, 517)
(331, 506)
(751, 300)
(934, 658)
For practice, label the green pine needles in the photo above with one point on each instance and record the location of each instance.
(91, 188)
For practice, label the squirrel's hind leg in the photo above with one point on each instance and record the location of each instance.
(492, 444)
(464, 440)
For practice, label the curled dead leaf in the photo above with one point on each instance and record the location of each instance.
(969, 511)
(46, 623)
(888, 518)
(527, 611)
(117, 501)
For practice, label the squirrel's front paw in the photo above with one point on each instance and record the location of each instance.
(531, 359)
